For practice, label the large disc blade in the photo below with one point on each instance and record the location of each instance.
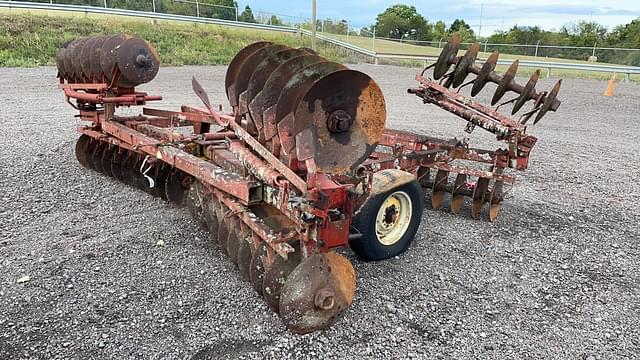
(138, 62)
(276, 276)
(256, 269)
(175, 188)
(81, 150)
(317, 292)
(233, 240)
(461, 70)
(247, 69)
(487, 68)
(259, 79)
(95, 56)
(85, 59)
(549, 102)
(505, 83)
(446, 57)
(234, 68)
(245, 254)
(527, 93)
(345, 114)
(60, 56)
(109, 56)
(274, 85)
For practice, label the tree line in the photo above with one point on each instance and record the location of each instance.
(403, 22)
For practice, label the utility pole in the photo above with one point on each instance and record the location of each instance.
(154, 5)
(197, 8)
(481, 13)
(313, 24)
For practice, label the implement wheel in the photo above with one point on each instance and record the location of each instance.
(388, 221)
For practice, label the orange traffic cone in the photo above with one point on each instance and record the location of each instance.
(611, 86)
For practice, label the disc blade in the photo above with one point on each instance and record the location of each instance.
(457, 199)
(505, 83)
(81, 150)
(317, 292)
(346, 112)
(479, 196)
(109, 54)
(247, 69)
(233, 241)
(527, 93)
(95, 56)
(116, 162)
(461, 70)
(256, 269)
(446, 57)
(485, 72)
(137, 61)
(174, 188)
(259, 79)
(273, 87)
(438, 190)
(276, 275)
(234, 67)
(85, 59)
(96, 157)
(549, 102)
(244, 254)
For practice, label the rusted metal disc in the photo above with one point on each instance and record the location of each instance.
(505, 83)
(248, 67)
(116, 163)
(81, 150)
(528, 92)
(138, 62)
(256, 268)
(162, 175)
(175, 188)
(96, 157)
(485, 72)
(85, 59)
(223, 229)
(274, 85)
(128, 164)
(89, 150)
(109, 54)
(234, 68)
(549, 102)
(76, 58)
(495, 200)
(317, 292)
(457, 199)
(345, 114)
(461, 70)
(276, 275)
(479, 197)
(67, 61)
(245, 254)
(95, 55)
(194, 204)
(233, 241)
(60, 56)
(438, 190)
(260, 77)
(211, 216)
(447, 57)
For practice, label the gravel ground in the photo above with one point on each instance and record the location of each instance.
(556, 277)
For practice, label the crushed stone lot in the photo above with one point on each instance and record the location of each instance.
(556, 277)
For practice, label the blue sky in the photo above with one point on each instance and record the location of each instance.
(497, 14)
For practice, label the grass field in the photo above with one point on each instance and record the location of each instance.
(32, 38)
(395, 47)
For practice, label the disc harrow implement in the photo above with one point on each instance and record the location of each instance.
(301, 165)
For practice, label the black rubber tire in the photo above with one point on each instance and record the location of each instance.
(368, 247)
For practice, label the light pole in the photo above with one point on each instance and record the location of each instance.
(373, 34)
(313, 24)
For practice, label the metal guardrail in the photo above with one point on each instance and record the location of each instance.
(626, 70)
(548, 65)
(145, 14)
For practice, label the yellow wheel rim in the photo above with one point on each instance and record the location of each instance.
(394, 217)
